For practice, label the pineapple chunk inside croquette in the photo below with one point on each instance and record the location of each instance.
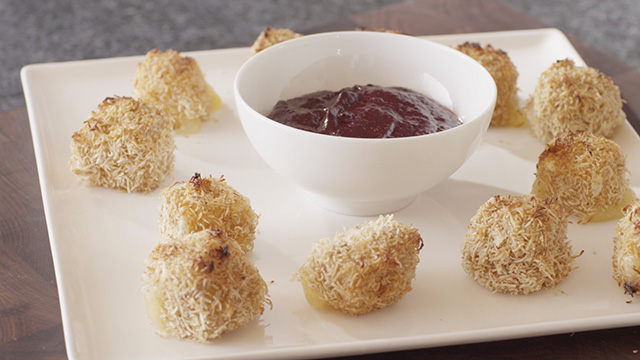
(614, 211)
(216, 102)
(362, 269)
(312, 296)
(154, 309)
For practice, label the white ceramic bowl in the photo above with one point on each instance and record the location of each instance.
(363, 176)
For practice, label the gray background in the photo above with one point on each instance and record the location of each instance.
(35, 31)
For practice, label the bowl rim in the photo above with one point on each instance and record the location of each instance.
(361, 33)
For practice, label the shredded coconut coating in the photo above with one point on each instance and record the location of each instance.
(587, 174)
(270, 36)
(507, 111)
(175, 84)
(202, 286)
(517, 245)
(364, 268)
(204, 203)
(574, 98)
(626, 249)
(125, 144)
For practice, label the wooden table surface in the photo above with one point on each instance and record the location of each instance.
(30, 323)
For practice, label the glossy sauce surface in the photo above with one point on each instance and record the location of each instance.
(365, 111)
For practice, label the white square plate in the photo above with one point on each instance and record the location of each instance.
(100, 237)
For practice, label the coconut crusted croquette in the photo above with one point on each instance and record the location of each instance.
(205, 203)
(201, 286)
(362, 269)
(571, 98)
(507, 111)
(587, 174)
(626, 249)
(175, 84)
(270, 36)
(517, 245)
(125, 144)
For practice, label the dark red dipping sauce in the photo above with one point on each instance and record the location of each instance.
(368, 111)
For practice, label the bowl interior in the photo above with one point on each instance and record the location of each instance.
(332, 61)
